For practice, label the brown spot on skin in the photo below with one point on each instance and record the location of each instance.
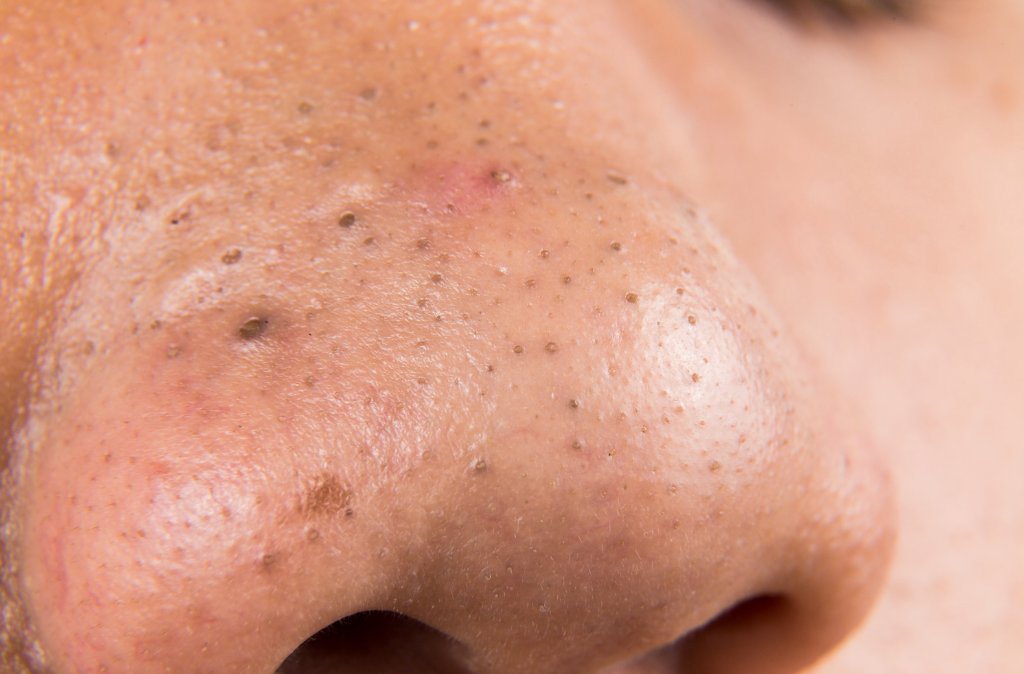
(173, 351)
(551, 347)
(326, 497)
(517, 349)
(616, 245)
(312, 535)
(632, 297)
(617, 178)
(368, 94)
(715, 466)
(252, 328)
(573, 404)
(368, 241)
(679, 291)
(232, 256)
(544, 253)
(566, 280)
(480, 465)
(422, 243)
(576, 444)
(696, 377)
(268, 559)
(501, 176)
(436, 278)
(692, 319)
(530, 283)
(347, 219)
(305, 107)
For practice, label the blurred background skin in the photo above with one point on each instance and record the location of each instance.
(867, 172)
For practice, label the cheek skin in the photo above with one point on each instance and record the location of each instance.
(437, 352)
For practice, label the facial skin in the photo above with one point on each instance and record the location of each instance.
(327, 309)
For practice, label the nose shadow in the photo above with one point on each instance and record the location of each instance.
(377, 642)
(386, 642)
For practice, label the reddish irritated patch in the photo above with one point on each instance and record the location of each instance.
(463, 188)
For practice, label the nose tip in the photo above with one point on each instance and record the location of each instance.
(534, 555)
(528, 579)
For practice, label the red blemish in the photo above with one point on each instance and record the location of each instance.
(462, 187)
(159, 468)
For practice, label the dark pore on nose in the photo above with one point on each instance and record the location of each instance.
(407, 357)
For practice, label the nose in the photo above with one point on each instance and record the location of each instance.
(443, 384)
(535, 452)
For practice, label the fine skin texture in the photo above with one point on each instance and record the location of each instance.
(324, 308)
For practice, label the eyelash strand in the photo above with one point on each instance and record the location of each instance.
(853, 12)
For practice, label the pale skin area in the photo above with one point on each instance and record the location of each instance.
(525, 393)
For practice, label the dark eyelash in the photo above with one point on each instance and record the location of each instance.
(850, 11)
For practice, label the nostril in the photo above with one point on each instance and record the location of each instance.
(765, 634)
(744, 639)
(757, 614)
(378, 642)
